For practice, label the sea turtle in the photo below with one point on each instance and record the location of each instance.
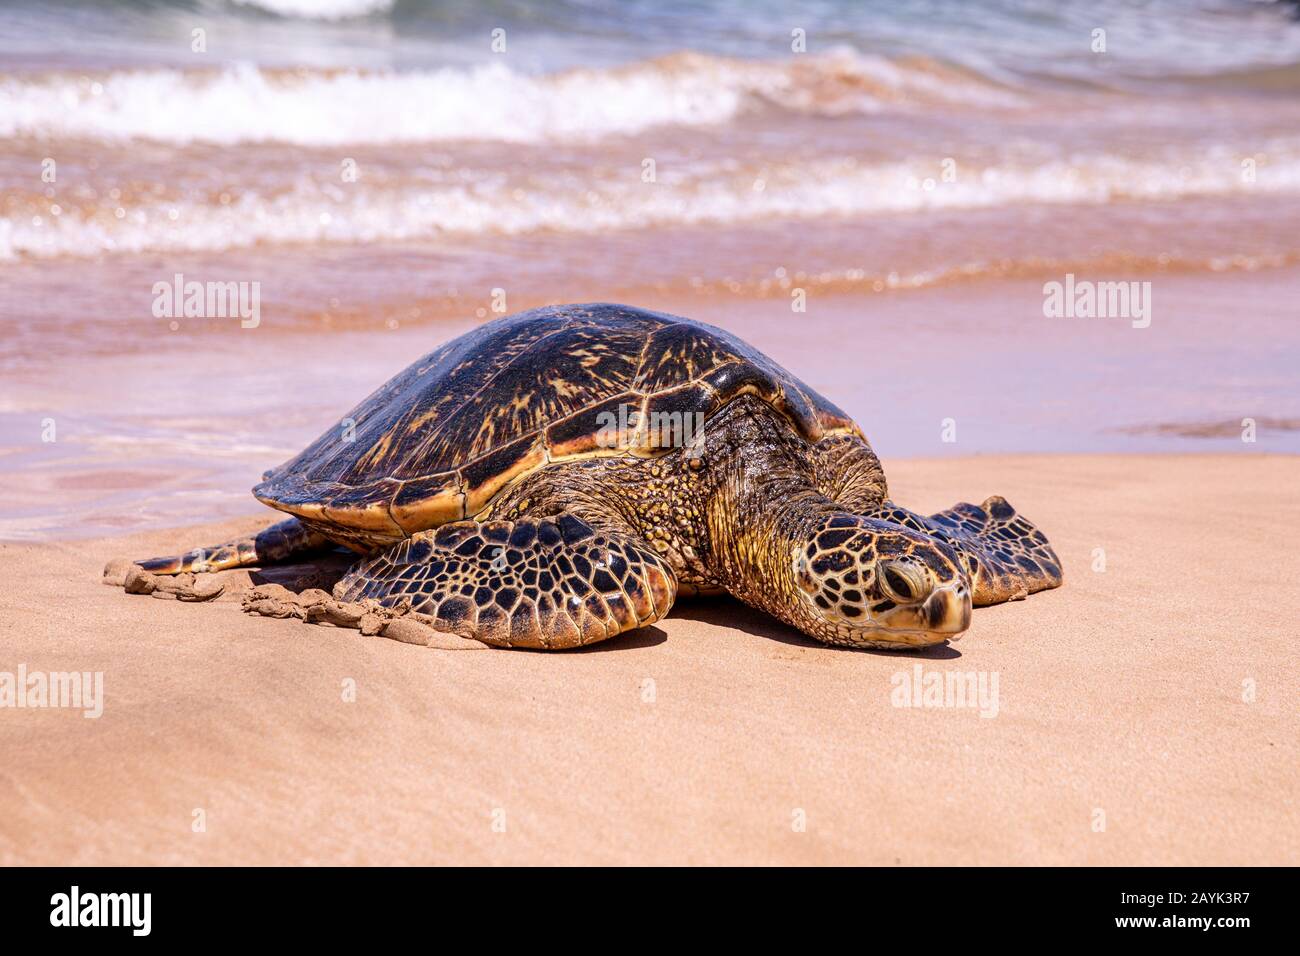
(556, 477)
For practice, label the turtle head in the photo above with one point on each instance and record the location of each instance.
(874, 583)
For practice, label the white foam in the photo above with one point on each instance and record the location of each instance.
(314, 212)
(492, 102)
(320, 9)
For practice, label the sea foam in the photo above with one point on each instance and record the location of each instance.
(492, 102)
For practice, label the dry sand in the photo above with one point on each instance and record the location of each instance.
(708, 738)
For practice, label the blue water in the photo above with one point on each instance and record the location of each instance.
(1008, 39)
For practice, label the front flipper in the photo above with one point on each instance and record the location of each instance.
(536, 582)
(1007, 557)
(275, 543)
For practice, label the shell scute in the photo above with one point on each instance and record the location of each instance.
(606, 427)
(364, 507)
(673, 417)
(683, 351)
(428, 502)
(488, 475)
(575, 369)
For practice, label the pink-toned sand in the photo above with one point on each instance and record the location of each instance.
(1123, 698)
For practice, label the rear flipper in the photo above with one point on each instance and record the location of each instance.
(548, 582)
(1007, 557)
(276, 543)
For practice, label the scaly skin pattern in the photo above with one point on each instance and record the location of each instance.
(534, 582)
(1006, 557)
(667, 500)
(803, 532)
(270, 544)
(810, 562)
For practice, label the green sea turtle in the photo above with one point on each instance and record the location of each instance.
(553, 478)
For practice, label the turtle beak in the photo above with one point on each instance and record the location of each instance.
(947, 610)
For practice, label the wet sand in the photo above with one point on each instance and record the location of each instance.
(169, 428)
(710, 737)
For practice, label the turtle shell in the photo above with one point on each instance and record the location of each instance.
(441, 439)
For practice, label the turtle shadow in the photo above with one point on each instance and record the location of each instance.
(729, 613)
(642, 637)
(323, 571)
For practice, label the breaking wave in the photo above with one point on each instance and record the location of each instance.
(319, 9)
(248, 104)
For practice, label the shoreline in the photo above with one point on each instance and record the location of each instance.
(206, 412)
(1123, 692)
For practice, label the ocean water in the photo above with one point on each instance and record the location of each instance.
(348, 121)
(390, 171)
(1152, 39)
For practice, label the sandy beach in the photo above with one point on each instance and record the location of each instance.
(718, 736)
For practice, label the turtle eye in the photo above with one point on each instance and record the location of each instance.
(902, 582)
